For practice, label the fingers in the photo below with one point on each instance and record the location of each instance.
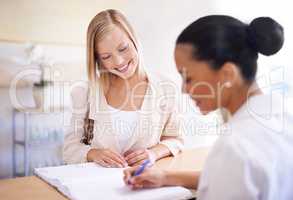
(136, 157)
(111, 162)
(121, 158)
(108, 158)
(142, 181)
(129, 179)
(127, 153)
(138, 163)
(126, 178)
(101, 163)
(137, 186)
(118, 159)
(133, 154)
(128, 173)
(145, 184)
(150, 178)
(105, 162)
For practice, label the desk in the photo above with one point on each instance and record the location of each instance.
(32, 187)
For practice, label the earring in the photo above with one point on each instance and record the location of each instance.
(228, 84)
(97, 70)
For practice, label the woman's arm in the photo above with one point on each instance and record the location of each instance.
(172, 134)
(188, 179)
(162, 150)
(73, 150)
(151, 178)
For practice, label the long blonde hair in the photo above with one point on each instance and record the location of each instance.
(100, 25)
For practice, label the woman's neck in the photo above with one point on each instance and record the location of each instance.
(241, 95)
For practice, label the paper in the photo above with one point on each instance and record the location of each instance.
(89, 181)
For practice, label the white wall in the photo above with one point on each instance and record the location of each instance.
(52, 21)
(158, 23)
(280, 11)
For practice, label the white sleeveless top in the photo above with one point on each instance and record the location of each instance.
(123, 125)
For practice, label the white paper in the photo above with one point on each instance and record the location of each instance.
(89, 181)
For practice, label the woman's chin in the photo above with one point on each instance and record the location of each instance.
(128, 74)
(125, 75)
(204, 111)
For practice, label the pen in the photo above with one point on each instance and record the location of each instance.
(141, 168)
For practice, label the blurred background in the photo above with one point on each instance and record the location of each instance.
(42, 56)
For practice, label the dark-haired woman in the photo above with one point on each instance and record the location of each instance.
(217, 57)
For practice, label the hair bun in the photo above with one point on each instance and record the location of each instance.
(267, 35)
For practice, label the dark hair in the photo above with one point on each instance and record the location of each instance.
(219, 39)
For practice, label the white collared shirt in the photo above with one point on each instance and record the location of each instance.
(254, 158)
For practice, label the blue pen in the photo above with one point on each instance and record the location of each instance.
(141, 168)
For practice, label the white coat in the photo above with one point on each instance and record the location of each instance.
(253, 159)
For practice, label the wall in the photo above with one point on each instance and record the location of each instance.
(56, 21)
(280, 11)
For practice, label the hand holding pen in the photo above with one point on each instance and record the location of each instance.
(141, 168)
(143, 177)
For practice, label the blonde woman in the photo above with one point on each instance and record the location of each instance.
(126, 114)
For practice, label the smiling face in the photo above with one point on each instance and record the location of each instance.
(117, 54)
(200, 81)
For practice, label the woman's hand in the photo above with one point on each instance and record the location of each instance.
(150, 178)
(137, 157)
(106, 158)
